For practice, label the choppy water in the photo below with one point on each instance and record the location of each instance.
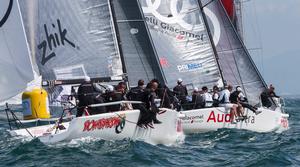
(220, 148)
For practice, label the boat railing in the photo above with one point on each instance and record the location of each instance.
(115, 103)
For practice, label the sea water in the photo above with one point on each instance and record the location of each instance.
(219, 148)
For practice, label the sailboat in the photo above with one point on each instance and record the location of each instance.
(196, 41)
(69, 45)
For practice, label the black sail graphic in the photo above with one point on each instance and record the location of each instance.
(137, 51)
(235, 62)
(181, 41)
(72, 38)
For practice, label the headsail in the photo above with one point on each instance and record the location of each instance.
(137, 51)
(72, 38)
(181, 41)
(235, 62)
(15, 66)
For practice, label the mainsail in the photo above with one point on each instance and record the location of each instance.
(137, 51)
(182, 42)
(15, 65)
(235, 62)
(72, 38)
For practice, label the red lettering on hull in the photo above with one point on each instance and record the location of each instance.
(103, 123)
(218, 117)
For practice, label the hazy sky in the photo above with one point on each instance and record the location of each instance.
(274, 26)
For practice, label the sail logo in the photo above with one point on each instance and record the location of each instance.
(179, 15)
(53, 41)
(167, 28)
(189, 67)
(7, 13)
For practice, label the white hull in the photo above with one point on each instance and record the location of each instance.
(212, 119)
(168, 132)
(109, 126)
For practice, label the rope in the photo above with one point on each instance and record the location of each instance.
(125, 119)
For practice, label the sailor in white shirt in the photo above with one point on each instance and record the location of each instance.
(207, 96)
(225, 102)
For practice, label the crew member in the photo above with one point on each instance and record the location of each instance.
(181, 93)
(198, 100)
(215, 96)
(85, 96)
(266, 95)
(225, 102)
(151, 102)
(207, 97)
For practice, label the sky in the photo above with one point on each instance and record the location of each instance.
(272, 35)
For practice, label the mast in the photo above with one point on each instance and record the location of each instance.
(117, 36)
(210, 36)
(153, 46)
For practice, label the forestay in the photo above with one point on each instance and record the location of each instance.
(235, 62)
(72, 38)
(15, 65)
(181, 41)
(137, 51)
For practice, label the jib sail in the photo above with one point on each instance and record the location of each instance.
(235, 62)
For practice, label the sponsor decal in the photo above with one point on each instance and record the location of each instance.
(7, 13)
(189, 67)
(117, 122)
(193, 119)
(226, 118)
(178, 15)
(180, 34)
(52, 41)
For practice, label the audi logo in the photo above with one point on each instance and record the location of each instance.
(179, 9)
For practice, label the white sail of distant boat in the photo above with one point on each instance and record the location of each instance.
(174, 27)
(15, 65)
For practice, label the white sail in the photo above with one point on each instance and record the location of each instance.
(15, 65)
(72, 38)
